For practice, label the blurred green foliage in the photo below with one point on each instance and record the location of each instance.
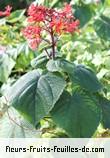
(16, 4)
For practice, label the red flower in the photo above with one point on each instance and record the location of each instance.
(54, 22)
(34, 43)
(64, 21)
(36, 13)
(67, 9)
(6, 12)
(57, 25)
(72, 26)
(32, 34)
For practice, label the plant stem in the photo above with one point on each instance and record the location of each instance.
(53, 44)
(47, 53)
(46, 40)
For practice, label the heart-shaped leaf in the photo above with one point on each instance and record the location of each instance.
(78, 114)
(34, 95)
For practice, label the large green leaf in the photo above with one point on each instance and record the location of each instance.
(86, 78)
(35, 95)
(102, 27)
(60, 65)
(6, 66)
(79, 74)
(78, 114)
(105, 106)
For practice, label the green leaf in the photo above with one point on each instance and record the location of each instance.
(102, 27)
(92, 1)
(78, 114)
(6, 66)
(39, 61)
(60, 65)
(86, 78)
(14, 126)
(54, 2)
(88, 1)
(84, 14)
(16, 16)
(34, 95)
(107, 3)
(78, 74)
(23, 60)
(22, 94)
(49, 89)
(105, 106)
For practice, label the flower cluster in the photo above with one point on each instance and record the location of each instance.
(64, 21)
(32, 33)
(54, 22)
(36, 13)
(6, 12)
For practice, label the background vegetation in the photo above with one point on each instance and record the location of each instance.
(90, 47)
